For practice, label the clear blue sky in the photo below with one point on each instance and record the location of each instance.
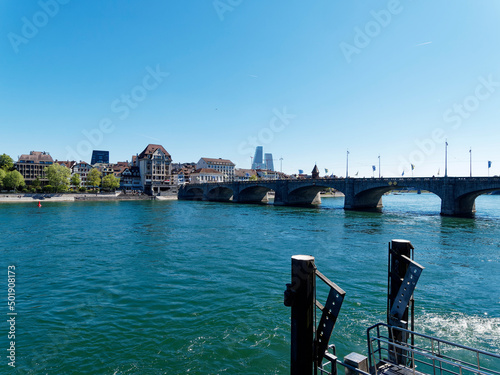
(306, 80)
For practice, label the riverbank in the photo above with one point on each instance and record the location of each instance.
(332, 195)
(29, 198)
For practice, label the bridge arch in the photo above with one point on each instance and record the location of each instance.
(194, 193)
(254, 194)
(465, 204)
(310, 194)
(366, 196)
(220, 194)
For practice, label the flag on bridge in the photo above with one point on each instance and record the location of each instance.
(301, 171)
(412, 167)
(326, 170)
(402, 174)
(374, 168)
(489, 164)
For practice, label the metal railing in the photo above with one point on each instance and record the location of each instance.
(427, 354)
(332, 361)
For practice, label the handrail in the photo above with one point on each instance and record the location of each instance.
(436, 339)
(427, 353)
(433, 357)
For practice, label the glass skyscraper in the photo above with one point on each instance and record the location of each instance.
(99, 156)
(258, 163)
(268, 162)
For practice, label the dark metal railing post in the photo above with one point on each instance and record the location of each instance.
(300, 296)
(397, 270)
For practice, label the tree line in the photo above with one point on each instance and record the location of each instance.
(59, 177)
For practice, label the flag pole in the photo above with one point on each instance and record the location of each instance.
(446, 159)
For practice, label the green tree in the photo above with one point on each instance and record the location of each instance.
(48, 189)
(94, 178)
(6, 162)
(58, 176)
(13, 180)
(75, 180)
(2, 176)
(36, 184)
(110, 182)
(253, 178)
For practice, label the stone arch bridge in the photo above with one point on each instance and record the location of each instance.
(457, 194)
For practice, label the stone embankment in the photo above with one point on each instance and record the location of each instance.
(28, 198)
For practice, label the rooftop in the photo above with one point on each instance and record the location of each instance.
(218, 161)
(37, 157)
(207, 171)
(151, 149)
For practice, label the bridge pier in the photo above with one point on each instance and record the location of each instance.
(363, 199)
(454, 203)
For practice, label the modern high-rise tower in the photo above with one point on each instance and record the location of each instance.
(268, 162)
(99, 156)
(258, 163)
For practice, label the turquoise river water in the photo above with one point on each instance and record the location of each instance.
(179, 287)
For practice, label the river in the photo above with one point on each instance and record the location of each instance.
(180, 287)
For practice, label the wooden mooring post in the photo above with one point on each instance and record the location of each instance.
(300, 296)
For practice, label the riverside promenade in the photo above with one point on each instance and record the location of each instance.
(68, 197)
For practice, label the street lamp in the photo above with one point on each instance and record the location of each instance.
(347, 166)
(470, 161)
(446, 159)
(379, 166)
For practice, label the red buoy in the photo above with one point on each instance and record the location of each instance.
(39, 204)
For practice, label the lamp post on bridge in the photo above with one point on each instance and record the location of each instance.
(379, 166)
(347, 166)
(470, 161)
(446, 159)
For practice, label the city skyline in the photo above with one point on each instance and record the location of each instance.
(397, 79)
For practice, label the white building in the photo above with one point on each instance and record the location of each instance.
(204, 175)
(82, 169)
(244, 174)
(224, 166)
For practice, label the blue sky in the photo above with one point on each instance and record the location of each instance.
(306, 80)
